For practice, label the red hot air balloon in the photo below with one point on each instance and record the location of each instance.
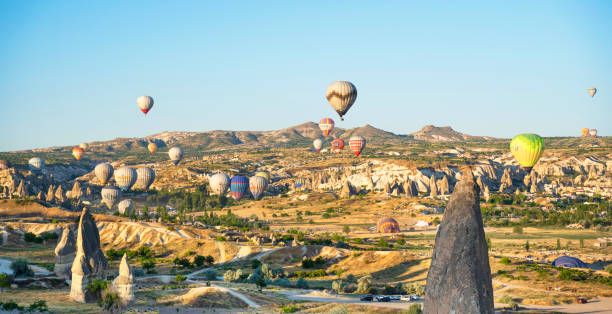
(77, 152)
(337, 145)
(357, 144)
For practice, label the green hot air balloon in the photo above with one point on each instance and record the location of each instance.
(527, 149)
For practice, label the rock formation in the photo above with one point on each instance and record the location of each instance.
(124, 283)
(347, 190)
(370, 184)
(60, 196)
(50, 194)
(506, 178)
(387, 188)
(433, 189)
(76, 191)
(459, 278)
(89, 262)
(409, 189)
(487, 193)
(40, 196)
(444, 186)
(533, 188)
(65, 252)
(21, 190)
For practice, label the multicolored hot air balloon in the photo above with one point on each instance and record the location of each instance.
(257, 185)
(527, 149)
(337, 145)
(317, 144)
(104, 171)
(264, 174)
(110, 195)
(357, 144)
(144, 178)
(341, 96)
(592, 91)
(593, 132)
(125, 177)
(387, 225)
(219, 183)
(585, 131)
(300, 183)
(36, 164)
(152, 147)
(77, 152)
(145, 103)
(176, 154)
(84, 146)
(125, 207)
(238, 186)
(326, 125)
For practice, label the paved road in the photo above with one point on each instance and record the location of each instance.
(303, 295)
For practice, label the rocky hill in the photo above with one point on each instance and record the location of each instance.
(430, 133)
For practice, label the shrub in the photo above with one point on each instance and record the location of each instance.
(147, 264)
(414, 288)
(20, 267)
(180, 278)
(29, 237)
(40, 305)
(5, 280)
(109, 301)
(608, 268)
(364, 284)
(11, 306)
(199, 260)
(302, 283)
(189, 253)
(382, 243)
(210, 274)
(401, 241)
(282, 282)
(97, 286)
(505, 260)
(289, 308)
(255, 263)
(220, 238)
(506, 299)
(517, 230)
(346, 229)
(145, 251)
(415, 308)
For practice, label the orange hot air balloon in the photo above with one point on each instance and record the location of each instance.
(326, 125)
(77, 152)
(337, 145)
(152, 147)
(585, 132)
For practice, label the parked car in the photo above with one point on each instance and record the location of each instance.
(582, 300)
(414, 297)
(383, 299)
(368, 297)
(395, 297)
(405, 298)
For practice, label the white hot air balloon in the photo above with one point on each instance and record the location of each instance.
(36, 164)
(318, 143)
(144, 178)
(176, 154)
(145, 103)
(125, 177)
(125, 207)
(257, 185)
(593, 132)
(219, 183)
(104, 171)
(357, 144)
(341, 96)
(110, 195)
(592, 91)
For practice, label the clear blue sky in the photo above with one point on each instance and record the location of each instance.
(70, 71)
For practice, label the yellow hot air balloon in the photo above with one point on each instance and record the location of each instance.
(527, 149)
(585, 131)
(592, 91)
(77, 152)
(152, 147)
(84, 146)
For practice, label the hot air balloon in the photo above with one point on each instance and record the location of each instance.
(257, 185)
(585, 131)
(318, 143)
(593, 132)
(145, 103)
(337, 145)
(592, 91)
(152, 147)
(326, 125)
(357, 144)
(125, 207)
(341, 95)
(387, 225)
(104, 171)
(144, 178)
(219, 183)
(84, 146)
(110, 195)
(77, 152)
(36, 164)
(238, 186)
(300, 183)
(527, 149)
(264, 174)
(125, 177)
(176, 154)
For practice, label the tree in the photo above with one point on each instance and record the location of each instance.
(301, 283)
(5, 280)
(489, 243)
(581, 243)
(180, 278)
(147, 264)
(261, 283)
(199, 260)
(255, 263)
(338, 285)
(415, 308)
(346, 229)
(558, 244)
(210, 274)
(20, 267)
(210, 260)
(527, 245)
(364, 284)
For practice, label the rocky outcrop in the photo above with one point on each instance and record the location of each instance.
(124, 283)
(459, 278)
(89, 262)
(65, 252)
(21, 190)
(50, 194)
(76, 191)
(444, 186)
(387, 188)
(433, 189)
(60, 196)
(409, 189)
(347, 190)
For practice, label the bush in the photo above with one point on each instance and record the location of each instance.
(220, 238)
(5, 280)
(608, 268)
(401, 241)
(255, 263)
(382, 243)
(97, 286)
(414, 288)
(210, 274)
(20, 267)
(145, 251)
(364, 284)
(282, 282)
(180, 278)
(517, 230)
(29, 237)
(302, 283)
(147, 264)
(40, 305)
(505, 260)
(415, 308)
(506, 299)
(109, 301)
(11, 306)
(290, 308)
(199, 260)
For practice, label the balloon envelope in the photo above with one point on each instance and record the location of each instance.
(152, 147)
(144, 178)
(103, 172)
(84, 146)
(145, 103)
(36, 163)
(176, 154)
(387, 225)
(527, 149)
(77, 152)
(357, 144)
(318, 143)
(110, 195)
(592, 91)
(326, 125)
(593, 132)
(300, 183)
(219, 183)
(263, 174)
(337, 145)
(125, 207)
(585, 131)
(125, 177)
(238, 186)
(257, 186)
(341, 96)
